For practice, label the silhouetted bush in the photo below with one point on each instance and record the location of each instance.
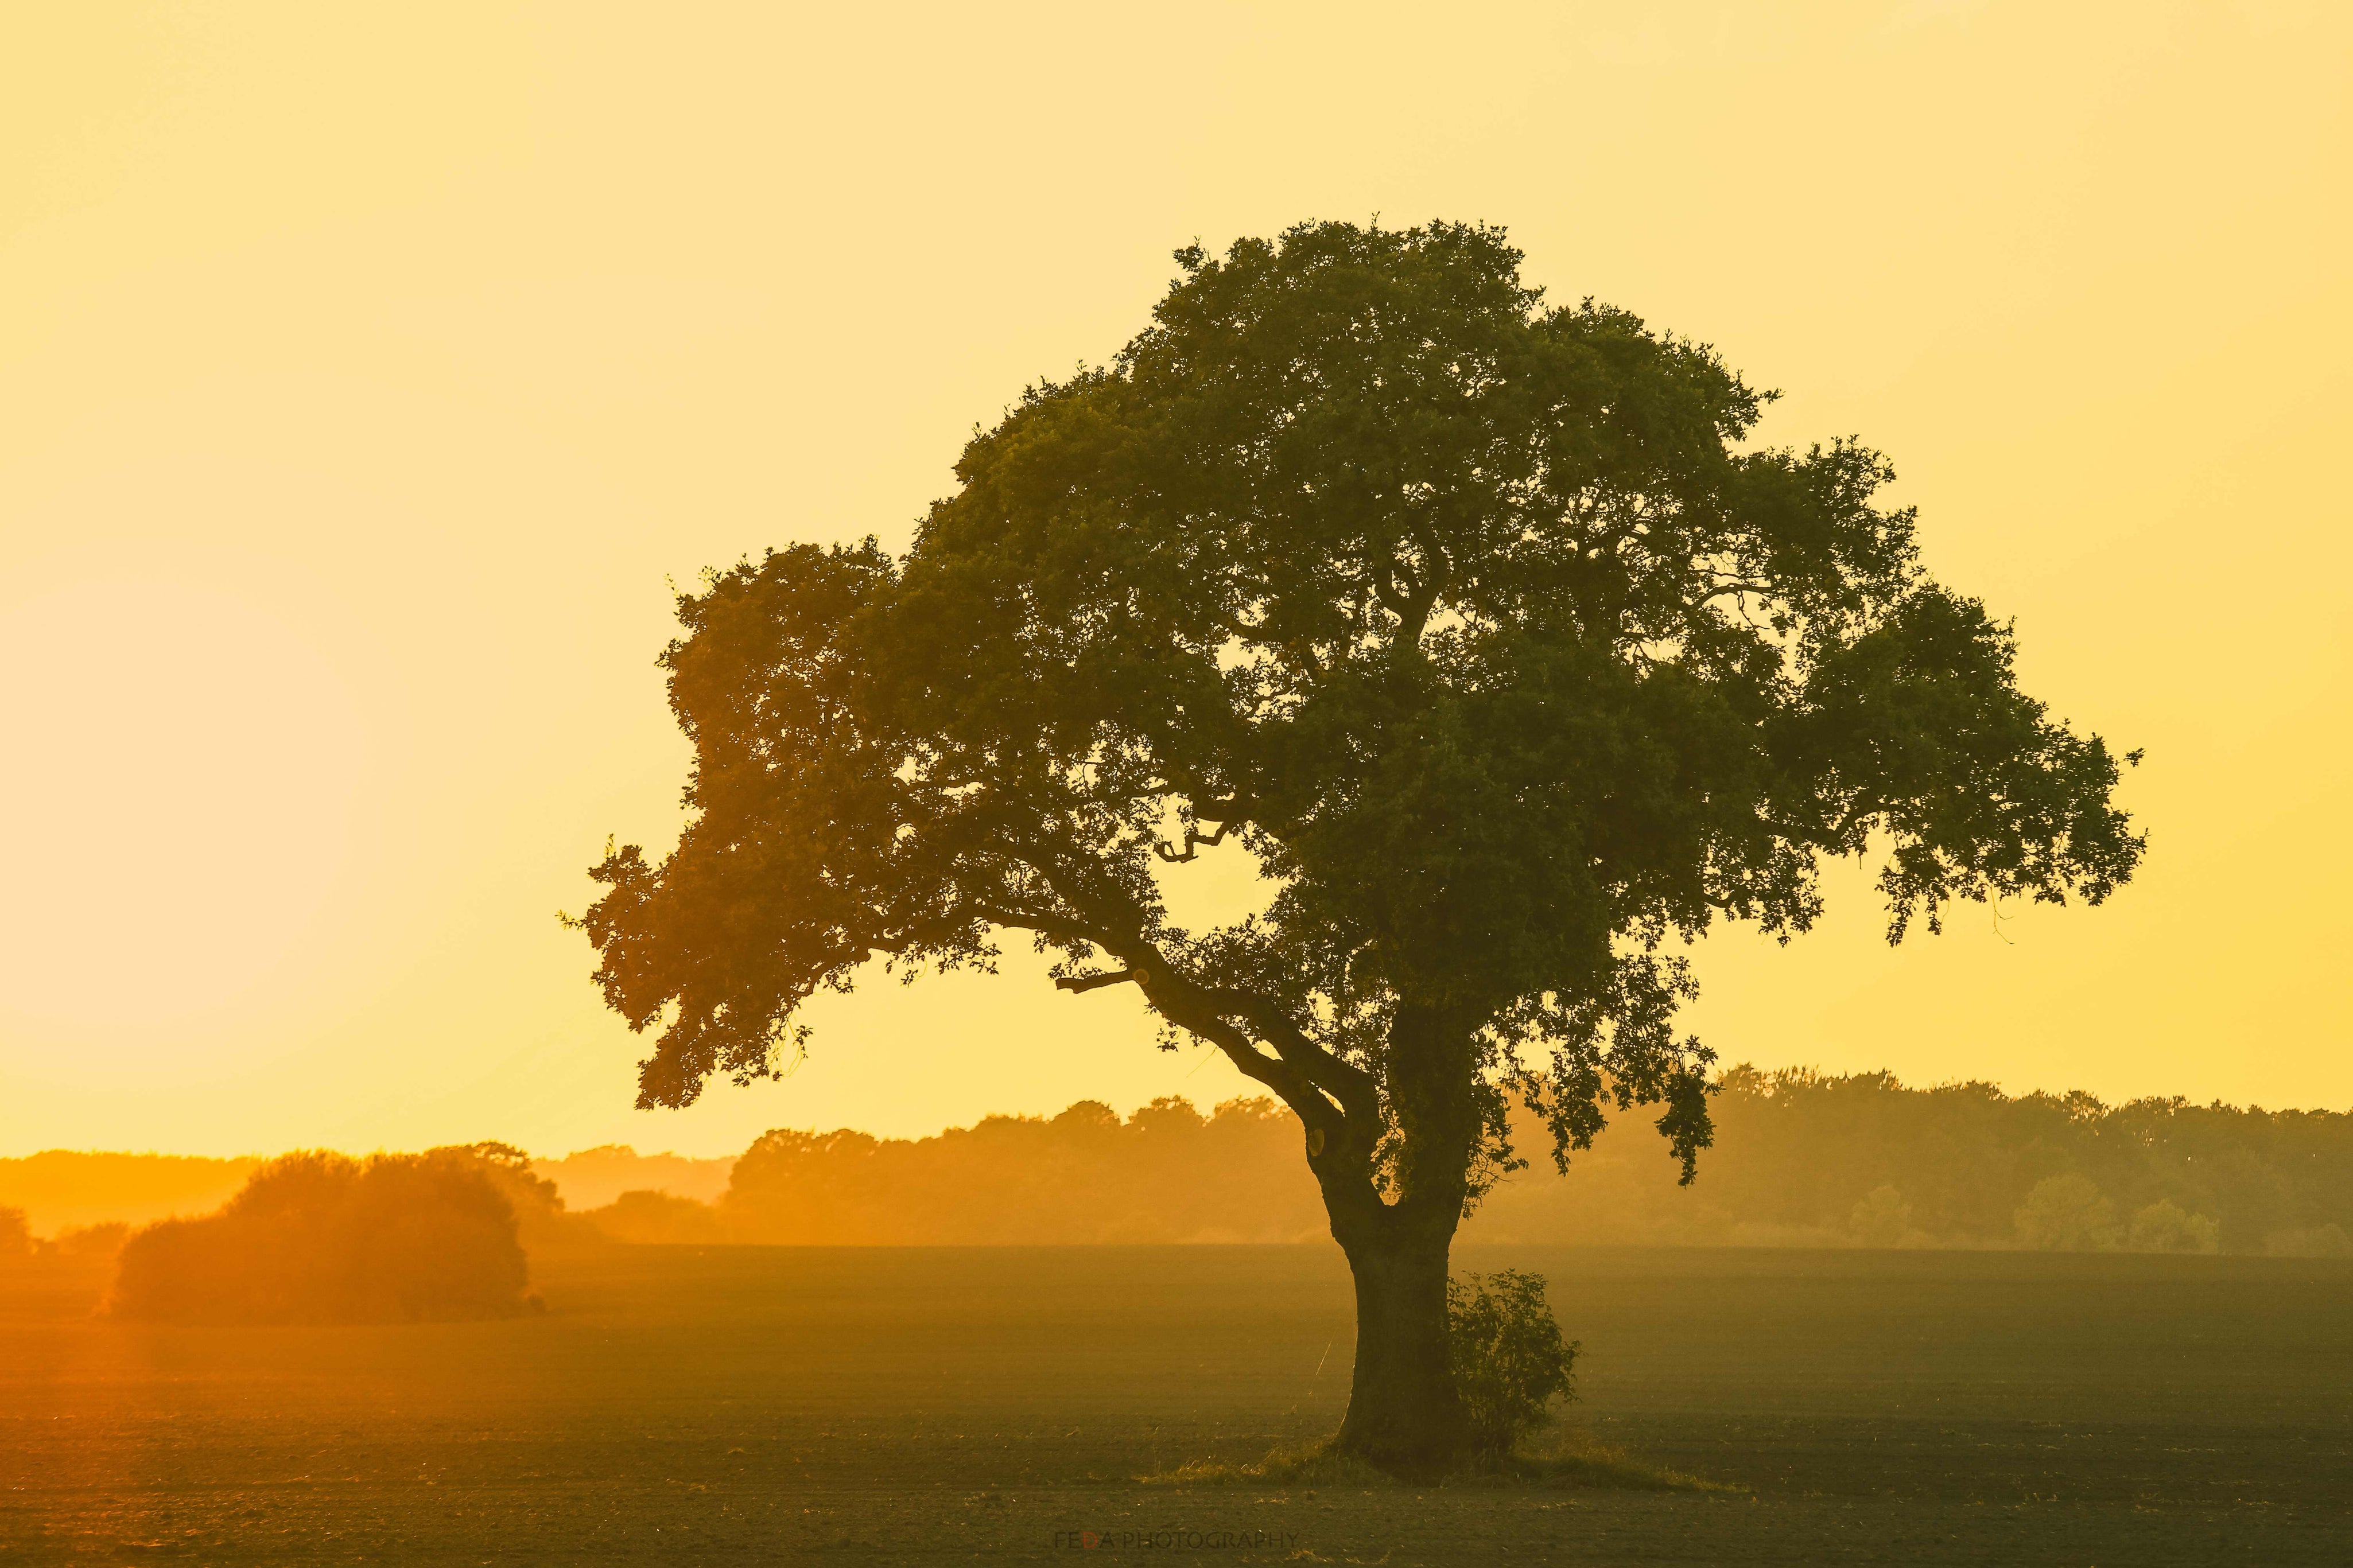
(541, 1221)
(16, 1237)
(1505, 1349)
(321, 1237)
(653, 1218)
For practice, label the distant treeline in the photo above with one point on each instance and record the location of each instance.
(65, 1189)
(591, 1178)
(1799, 1159)
(1167, 1173)
(1809, 1159)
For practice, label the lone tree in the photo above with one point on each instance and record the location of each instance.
(1468, 616)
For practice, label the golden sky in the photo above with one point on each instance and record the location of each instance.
(365, 371)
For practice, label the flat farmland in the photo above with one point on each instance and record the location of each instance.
(754, 1405)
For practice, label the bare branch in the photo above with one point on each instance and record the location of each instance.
(1717, 593)
(1193, 841)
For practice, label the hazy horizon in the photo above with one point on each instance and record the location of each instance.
(1798, 1160)
(550, 1155)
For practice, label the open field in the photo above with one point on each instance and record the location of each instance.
(759, 1405)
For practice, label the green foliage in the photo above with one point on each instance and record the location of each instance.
(2067, 1214)
(1474, 618)
(2165, 1227)
(1508, 1360)
(2310, 1241)
(1881, 1218)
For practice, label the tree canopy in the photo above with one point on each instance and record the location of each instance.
(1478, 620)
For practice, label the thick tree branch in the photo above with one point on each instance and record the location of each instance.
(1101, 919)
(1355, 1089)
(1084, 982)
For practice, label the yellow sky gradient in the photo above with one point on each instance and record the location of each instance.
(365, 370)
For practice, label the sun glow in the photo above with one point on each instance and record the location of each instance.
(184, 769)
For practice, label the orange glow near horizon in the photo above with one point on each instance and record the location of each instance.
(364, 376)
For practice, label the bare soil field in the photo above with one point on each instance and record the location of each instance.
(754, 1404)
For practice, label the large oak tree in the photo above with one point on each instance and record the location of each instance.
(1475, 619)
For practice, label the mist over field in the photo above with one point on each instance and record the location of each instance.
(1800, 1159)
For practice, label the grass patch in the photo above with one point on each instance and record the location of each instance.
(1311, 1465)
(1563, 1457)
(1572, 1457)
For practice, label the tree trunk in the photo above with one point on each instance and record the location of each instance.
(1403, 1413)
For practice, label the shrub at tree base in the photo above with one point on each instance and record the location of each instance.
(1508, 1363)
(1505, 1349)
(317, 1238)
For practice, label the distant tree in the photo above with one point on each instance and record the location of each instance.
(541, 1218)
(15, 1236)
(1881, 1218)
(2315, 1241)
(101, 1242)
(2166, 1226)
(654, 1217)
(2068, 1212)
(1472, 618)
